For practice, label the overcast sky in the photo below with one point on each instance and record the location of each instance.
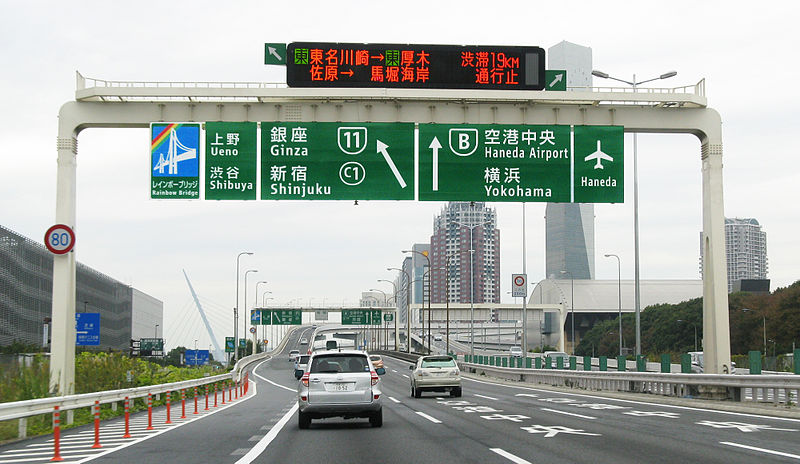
(332, 251)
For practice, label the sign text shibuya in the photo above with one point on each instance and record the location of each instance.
(375, 161)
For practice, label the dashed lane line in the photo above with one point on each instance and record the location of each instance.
(509, 456)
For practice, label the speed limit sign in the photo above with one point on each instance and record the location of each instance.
(59, 239)
(519, 286)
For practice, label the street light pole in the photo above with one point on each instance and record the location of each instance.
(471, 227)
(396, 316)
(636, 287)
(619, 291)
(572, 307)
(423, 299)
(245, 307)
(236, 306)
(408, 306)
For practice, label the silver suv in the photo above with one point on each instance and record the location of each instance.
(339, 384)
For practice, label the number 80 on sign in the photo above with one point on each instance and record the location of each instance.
(59, 239)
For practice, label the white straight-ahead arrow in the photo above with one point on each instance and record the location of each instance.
(435, 146)
(274, 52)
(382, 150)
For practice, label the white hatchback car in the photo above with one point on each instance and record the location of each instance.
(339, 384)
(435, 373)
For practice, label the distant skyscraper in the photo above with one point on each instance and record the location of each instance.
(745, 250)
(569, 244)
(450, 247)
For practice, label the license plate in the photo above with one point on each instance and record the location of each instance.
(340, 387)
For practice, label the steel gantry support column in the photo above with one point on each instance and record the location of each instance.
(62, 347)
(716, 335)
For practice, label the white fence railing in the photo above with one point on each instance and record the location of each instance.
(771, 388)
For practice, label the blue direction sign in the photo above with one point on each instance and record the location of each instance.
(87, 329)
(196, 357)
(255, 317)
(174, 160)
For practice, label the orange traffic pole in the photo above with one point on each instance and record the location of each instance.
(183, 403)
(96, 425)
(127, 418)
(215, 395)
(195, 400)
(149, 411)
(56, 435)
(169, 397)
(206, 409)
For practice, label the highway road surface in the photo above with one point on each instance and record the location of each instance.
(491, 423)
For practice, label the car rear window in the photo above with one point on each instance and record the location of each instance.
(438, 362)
(331, 364)
(304, 359)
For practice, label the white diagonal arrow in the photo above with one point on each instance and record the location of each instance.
(435, 146)
(556, 80)
(274, 52)
(382, 150)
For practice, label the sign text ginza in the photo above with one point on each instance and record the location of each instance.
(375, 161)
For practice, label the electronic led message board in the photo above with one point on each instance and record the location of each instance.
(320, 64)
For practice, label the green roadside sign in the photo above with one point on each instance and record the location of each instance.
(337, 161)
(229, 345)
(520, 163)
(275, 53)
(388, 317)
(555, 80)
(361, 316)
(287, 317)
(231, 161)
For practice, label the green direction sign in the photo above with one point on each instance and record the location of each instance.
(275, 53)
(287, 317)
(599, 161)
(242, 343)
(231, 161)
(229, 342)
(337, 161)
(519, 163)
(174, 160)
(151, 347)
(354, 317)
(266, 316)
(361, 317)
(555, 80)
(388, 317)
(496, 162)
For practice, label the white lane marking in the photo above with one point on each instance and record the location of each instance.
(509, 456)
(270, 381)
(394, 370)
(264, 442)
(762, 450)
(487, 397)
(393, 399)
(658, 405)
(432, 419)
(568, 413)
(405, 376)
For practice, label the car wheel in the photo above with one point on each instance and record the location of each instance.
(303, 420)
(416, 392)
(456, 392)
(376, 419)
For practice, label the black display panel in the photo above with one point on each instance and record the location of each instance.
(323, 64)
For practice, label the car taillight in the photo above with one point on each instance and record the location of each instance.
(304, 379)
(374, 377)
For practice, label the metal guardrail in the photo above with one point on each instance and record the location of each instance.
(780, 388)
